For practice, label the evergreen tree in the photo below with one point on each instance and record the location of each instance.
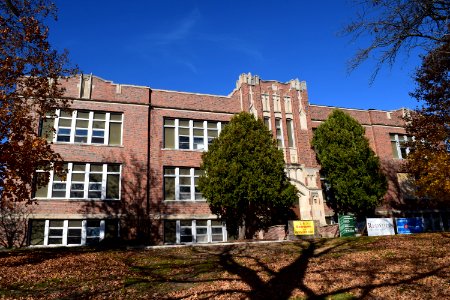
(245, 182)
(352, 170)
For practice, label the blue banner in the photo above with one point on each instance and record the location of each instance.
(409, 225)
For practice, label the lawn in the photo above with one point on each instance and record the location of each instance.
(394, 267)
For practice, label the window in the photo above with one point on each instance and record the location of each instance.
(82, 181)
(181, 184)
(267, 123)
(85, 127)
(190, 134)
(71, 232)
(186, 234)
(398, 144)
(279, 133)
(290, 132)
(194, 231)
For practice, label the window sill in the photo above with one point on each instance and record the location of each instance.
(86, 144)
(186, 150)
(185, 201)
(75, 199)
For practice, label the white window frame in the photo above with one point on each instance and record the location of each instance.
(193, 227)
(87, 171)
(192, 176)
(400, 138)
(206, 137)
(90, 129)
(65, 232)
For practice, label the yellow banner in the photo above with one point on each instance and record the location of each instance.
(303, 227)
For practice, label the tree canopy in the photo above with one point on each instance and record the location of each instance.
(403, 25)
(429, 159)
(30, 71)
(245, 182)
(355, 183)
(392, 26)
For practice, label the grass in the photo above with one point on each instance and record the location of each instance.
(414, 266)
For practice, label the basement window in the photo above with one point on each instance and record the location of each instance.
(194, 231)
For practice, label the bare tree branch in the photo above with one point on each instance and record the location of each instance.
(397, 25)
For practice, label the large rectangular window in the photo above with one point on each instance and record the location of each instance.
(82, 181)
(194, 231)
(190, 134)
(181, 184)
(267, 123)
(71, 232)
(398, 144)
(290, 132)
(82, 126)
(279, 132)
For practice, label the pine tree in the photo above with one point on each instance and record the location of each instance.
(352, 170)
(245, 182)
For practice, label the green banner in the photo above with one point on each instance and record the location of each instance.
(347, 225)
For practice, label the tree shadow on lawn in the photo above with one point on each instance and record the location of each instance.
(272, 271)
(208, 265)
(292, 277)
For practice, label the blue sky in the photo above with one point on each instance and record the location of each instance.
(202, 46)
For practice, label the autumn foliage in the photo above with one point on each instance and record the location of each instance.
(30, 71)
(429, 160)
(389, 267)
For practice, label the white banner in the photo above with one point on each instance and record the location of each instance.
(380, 226)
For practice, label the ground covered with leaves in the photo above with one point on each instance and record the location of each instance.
(394, 267)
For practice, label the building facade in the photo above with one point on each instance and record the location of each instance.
(132, 156)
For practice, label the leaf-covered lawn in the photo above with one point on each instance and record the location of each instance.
(396, 267)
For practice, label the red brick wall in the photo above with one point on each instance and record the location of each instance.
(133, 103)
(104, 90)
(195, 102)
(302, 137)
(378, 127)
(187, 107)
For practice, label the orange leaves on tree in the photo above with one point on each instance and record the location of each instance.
(29, 74)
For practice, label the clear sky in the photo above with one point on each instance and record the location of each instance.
(203, 45)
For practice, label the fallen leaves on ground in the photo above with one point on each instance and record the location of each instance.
(394, 267)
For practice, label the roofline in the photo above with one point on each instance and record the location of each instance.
(114, 83)
(191, 93)
(359, 109)
(277, 81)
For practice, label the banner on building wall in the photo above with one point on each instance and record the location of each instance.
(347, 225)
(303, 227)
(409, 225)
(380, 226)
